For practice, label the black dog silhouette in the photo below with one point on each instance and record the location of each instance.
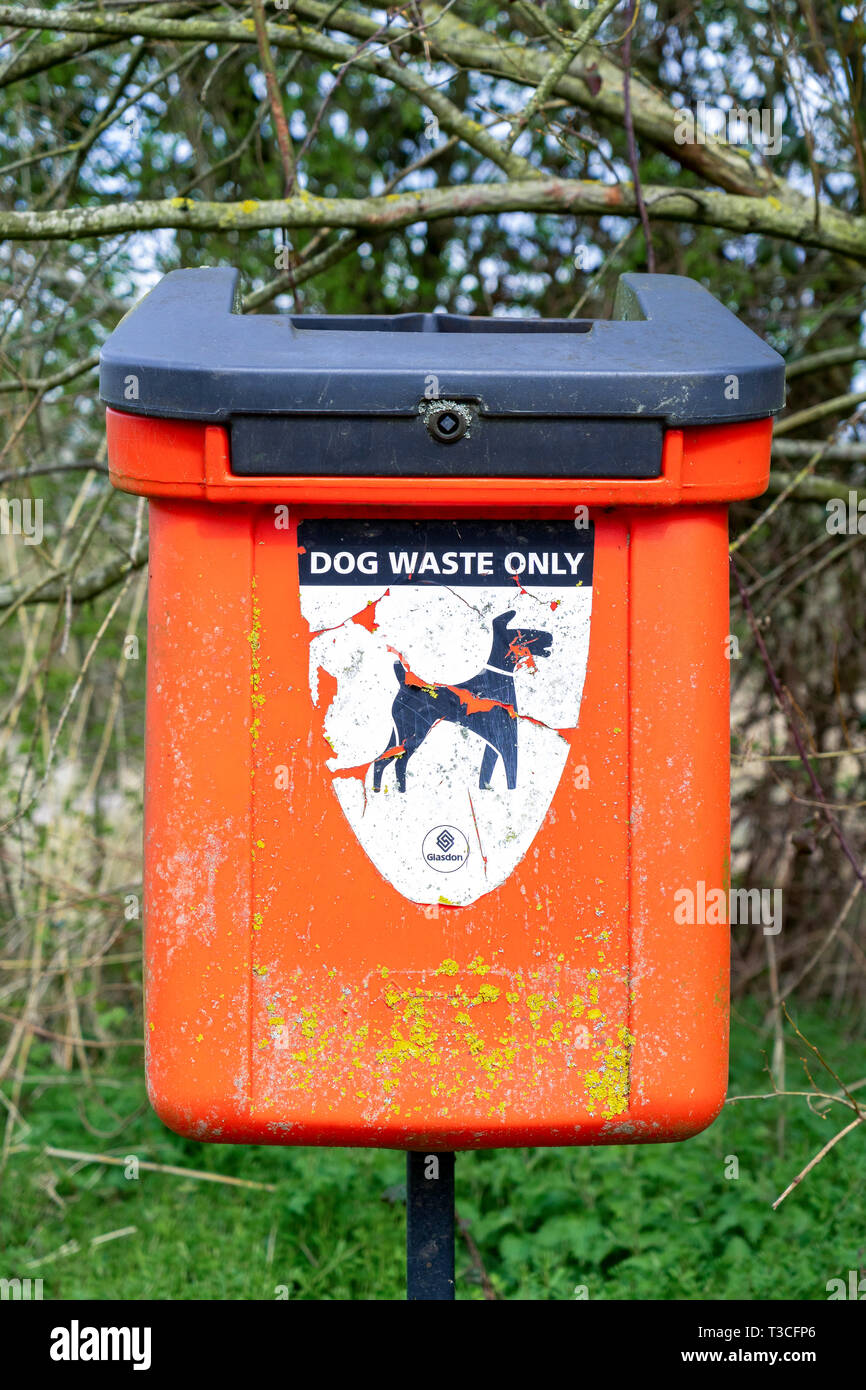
(486, 704)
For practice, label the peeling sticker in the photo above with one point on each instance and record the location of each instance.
(457, 652)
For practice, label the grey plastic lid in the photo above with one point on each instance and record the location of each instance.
(671, 354)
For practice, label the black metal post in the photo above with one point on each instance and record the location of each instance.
(429, 1227)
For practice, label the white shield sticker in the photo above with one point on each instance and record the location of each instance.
(459, 652)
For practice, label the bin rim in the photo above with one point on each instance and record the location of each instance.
(671, 352)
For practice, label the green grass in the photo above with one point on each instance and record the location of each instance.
(654, 1222)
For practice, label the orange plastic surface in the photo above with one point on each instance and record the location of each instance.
(170, 458)
(293, 995)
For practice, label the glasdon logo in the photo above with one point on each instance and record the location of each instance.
(77, 1343)
(445, 848)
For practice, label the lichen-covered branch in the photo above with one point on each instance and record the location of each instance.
(594, 84)
(838, 232)
(46, 56)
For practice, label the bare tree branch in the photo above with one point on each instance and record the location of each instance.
(280, 36)
(571, 48)
(278, 115)
(88, 586)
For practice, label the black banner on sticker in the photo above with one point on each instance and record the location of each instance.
(547, 554)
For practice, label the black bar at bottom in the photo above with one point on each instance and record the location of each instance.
(429, 1227)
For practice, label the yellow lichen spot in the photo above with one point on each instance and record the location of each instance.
(477, 966)
(608, 1087)
(258, 923)
(448, 967)
(488, 993)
